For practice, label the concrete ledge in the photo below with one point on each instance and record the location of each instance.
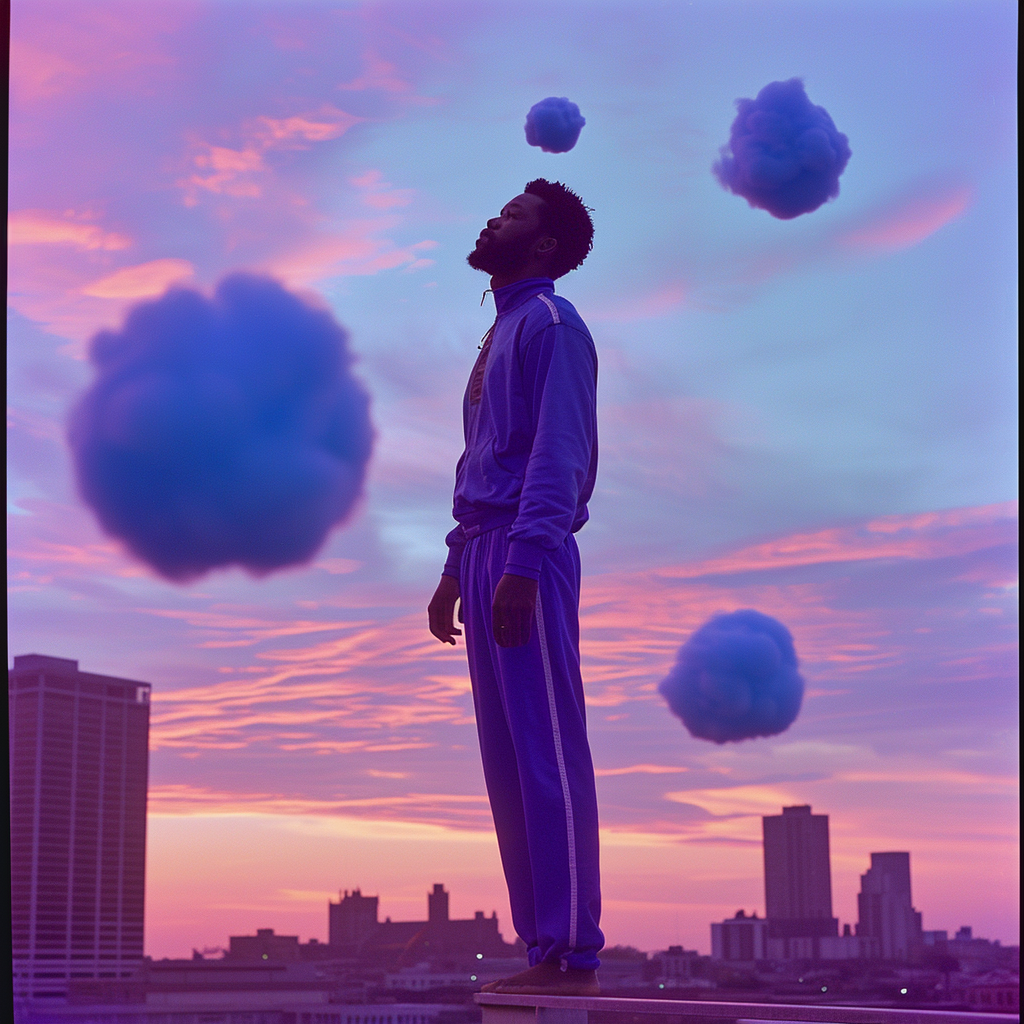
(509, 1009)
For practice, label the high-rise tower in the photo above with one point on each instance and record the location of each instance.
(797, 883)
(79, 748)
(886, 916)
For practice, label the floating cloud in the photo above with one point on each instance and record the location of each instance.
(222, 431)
(554, 124)
(786, 154)
(736, 678)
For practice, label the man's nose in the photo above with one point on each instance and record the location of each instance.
(494, 222)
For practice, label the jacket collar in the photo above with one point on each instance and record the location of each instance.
(515, 294)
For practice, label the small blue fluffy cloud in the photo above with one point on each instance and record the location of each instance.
(784, 154)
(554, 124)
(222, 431)
(736, 678)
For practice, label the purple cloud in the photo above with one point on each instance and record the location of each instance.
(736, 678)
(554, 124)
(222, 431)
(784, 154)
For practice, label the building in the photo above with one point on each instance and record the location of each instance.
(797, 884)
(352, 919)
(264, 945)
(886, 917)
(997, 991)
(79, 750)
(740, 938)
(844, 947)
(675, 968)
(354, 929)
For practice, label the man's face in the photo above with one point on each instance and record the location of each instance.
(506, 245)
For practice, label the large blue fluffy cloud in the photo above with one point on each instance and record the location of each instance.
(554, 124)
(736, 678)
(784, 154)
(222, 431)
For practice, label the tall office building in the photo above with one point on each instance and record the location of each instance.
(887, 921)
(797, 883)
(79, 749)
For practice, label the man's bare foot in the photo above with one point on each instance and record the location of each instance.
(548, 979)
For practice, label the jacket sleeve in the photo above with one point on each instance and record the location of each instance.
(456, 541)
(560, 384)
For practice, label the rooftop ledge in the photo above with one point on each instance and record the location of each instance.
(520, 1009)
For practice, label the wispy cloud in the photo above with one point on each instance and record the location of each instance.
(140, 281)
(734, 278)
(357, 250)
(240, 171)
(37, 227)
(928, 535)
(908, 222)
(451, 810)
(378, 74)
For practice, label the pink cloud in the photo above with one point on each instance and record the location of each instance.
(930, 535)
(378, 74)
(380, 194)
(883, 229)
(666, 299)
(337, 566)
(60, 542)
(240, 172)
(325, 124)
(35, 227)
(908, 223)
(37, 74)
(357, 250)
(54, 55)
(641, 769)
(141, 281)
(183, 799)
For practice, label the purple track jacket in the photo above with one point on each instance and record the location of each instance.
(530, 420)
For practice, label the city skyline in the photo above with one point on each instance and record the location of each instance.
(798, 904)
(811, 418)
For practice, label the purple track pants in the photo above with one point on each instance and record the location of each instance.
(533, 739)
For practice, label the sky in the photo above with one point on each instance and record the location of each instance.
(812, 418)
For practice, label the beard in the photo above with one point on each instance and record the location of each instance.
(507, 259)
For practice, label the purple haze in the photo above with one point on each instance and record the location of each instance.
(736, 678)
(554, 124)
(222, 431)
(784, 154)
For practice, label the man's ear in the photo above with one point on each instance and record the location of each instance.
(546, 246)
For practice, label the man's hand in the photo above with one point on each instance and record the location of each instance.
(515, 597)
(441, 610)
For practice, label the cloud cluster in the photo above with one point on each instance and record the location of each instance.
(222, 431)
(554, 124)
(784, 154)
(736, 678)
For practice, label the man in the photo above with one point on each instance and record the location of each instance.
(521, 492)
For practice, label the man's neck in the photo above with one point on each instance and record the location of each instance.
(503, 280)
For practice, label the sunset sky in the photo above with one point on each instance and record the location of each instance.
(813, 418)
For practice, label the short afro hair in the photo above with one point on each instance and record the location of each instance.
(567, 220)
